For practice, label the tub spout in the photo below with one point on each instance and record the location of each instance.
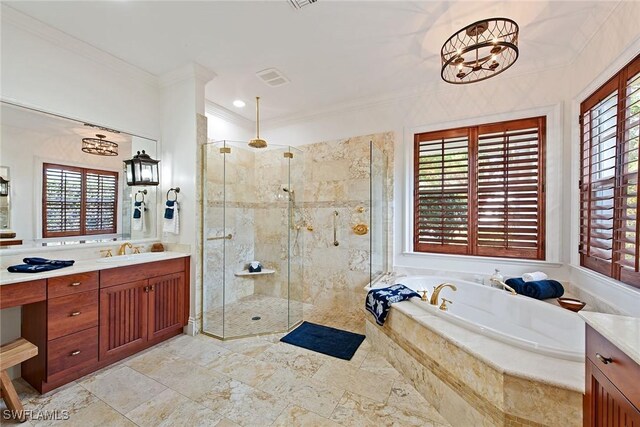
(437, 289)
(504, 286)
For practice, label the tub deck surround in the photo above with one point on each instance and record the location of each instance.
(85, 265)
(621, 331)
(475, 380)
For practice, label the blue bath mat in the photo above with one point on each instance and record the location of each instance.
(325, 340)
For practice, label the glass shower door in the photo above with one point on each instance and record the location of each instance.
(296, 232)
(378, 211)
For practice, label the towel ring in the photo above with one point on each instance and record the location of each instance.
(142, 193)
(175, 191)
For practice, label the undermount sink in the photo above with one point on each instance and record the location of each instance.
(145, 256)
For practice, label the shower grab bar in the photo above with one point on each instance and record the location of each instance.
(335, 229)
(227, 237)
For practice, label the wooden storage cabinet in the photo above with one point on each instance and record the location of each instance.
(90, 320)
(612, 393)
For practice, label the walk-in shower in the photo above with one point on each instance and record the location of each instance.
(263, 205)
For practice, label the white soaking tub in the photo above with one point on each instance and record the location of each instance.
(513, 319)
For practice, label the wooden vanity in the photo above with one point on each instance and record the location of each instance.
(612, 394)
(85, 321)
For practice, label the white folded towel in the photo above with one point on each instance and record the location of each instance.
(535, 276)
(172, 225)
(138, 224)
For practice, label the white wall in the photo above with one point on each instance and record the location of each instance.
(551, 92)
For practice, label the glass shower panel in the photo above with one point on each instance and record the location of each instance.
(378, 211)
(213, 192)
(296, 232)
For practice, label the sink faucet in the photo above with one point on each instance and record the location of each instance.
(437, 289)
(504, 286)
(123, 248)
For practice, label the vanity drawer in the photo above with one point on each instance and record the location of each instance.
(133, 273)
(72, 353)
(621, 371)
(71, 313)
(74, 283)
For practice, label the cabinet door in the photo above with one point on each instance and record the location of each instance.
(605, 405)
(166, 304)
(123, 319)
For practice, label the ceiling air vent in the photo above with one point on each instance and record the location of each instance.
(272, 77)
(299, 4)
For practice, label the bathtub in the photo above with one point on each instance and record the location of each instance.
(513, 319)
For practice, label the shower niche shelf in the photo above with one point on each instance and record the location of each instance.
(245, 273)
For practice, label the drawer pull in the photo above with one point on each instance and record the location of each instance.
(605, 360)
(75, 313)
(75, 353)
(75, 284)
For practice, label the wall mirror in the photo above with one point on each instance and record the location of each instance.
(67, 182)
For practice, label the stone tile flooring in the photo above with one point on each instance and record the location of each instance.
(259, 381)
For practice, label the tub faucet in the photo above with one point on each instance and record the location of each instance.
(123, 248)
(437, 289)
(504, 286)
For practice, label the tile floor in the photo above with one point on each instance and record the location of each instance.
(199, 381)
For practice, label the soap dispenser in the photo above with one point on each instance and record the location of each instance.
(495, 277)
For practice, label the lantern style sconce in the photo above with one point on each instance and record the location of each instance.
(4, 187)
(142, 170)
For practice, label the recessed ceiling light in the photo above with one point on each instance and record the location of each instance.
(239, 103)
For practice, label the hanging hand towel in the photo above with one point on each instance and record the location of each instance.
(171, 217)
(138, 223)
(535, 276)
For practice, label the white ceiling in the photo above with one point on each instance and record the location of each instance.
(334, 52)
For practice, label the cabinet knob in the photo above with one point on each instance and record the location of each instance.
(76, 284)
(75, 313)
(152, 288)
(75, 353)
(605, 360)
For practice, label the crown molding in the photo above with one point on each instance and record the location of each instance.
(191, 70)
(11, 16)
(213, 109)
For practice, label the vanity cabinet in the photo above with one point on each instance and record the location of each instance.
(612, 393)
(90, 320)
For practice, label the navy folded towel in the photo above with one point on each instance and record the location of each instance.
(540, 289)
(379, 300)
(137, 209)
(168, 211)
(44, 261)
(34, 268)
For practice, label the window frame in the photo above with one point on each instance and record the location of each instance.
(611, 268)
(473, 134)
(84, 171)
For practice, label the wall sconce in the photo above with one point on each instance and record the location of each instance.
(4, 187)
(142, 170)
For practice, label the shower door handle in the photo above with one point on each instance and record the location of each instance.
(227, 237)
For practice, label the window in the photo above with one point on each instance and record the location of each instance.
(78, 201)
(609, 127)
(480, 190)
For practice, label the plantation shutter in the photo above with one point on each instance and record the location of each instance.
(78, 201)
(609, 121)
(510, 189)
(100, 202)
(480, 190)
(62, 204)
(442, 192)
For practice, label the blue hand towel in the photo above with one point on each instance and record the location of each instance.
(168, 211)
(540, 289)
(137, 209)
(34, 268)
(44, 261)
(379, 300)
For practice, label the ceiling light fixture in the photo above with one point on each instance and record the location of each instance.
(479, 51)
(238, 103)
(299, 4)
(257, 142)
(99, 146)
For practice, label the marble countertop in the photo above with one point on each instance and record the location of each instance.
(82, 266)
(621, 331)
